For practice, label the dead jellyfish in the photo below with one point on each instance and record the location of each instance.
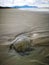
(22, 45)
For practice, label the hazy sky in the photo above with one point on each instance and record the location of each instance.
(23, 2)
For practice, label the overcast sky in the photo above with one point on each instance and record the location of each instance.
(24, 2)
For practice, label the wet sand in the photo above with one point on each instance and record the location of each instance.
(13, 22)
(36, 56)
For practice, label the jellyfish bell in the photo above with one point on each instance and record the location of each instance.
(22, 45)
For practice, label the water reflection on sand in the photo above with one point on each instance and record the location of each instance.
(38, 56)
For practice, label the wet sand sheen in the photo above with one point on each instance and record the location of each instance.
(35, 58)
(13, 21)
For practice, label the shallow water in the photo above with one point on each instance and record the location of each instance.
(38, 56)
(13, 22)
